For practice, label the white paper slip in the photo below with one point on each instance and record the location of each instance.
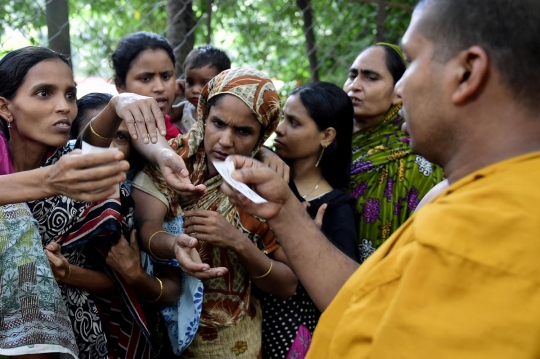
(88, 148)
(225, 169)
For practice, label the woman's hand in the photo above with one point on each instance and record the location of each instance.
(185, 249)
(59, 263)
(320, 213)
(141, 114)
(125, 258)
(176, 175)
(89, 177)
(211, 227)
(273, 161)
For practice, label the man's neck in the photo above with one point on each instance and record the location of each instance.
(511, 134)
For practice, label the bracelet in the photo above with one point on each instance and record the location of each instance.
(150, 243)
(267, 273)
(97, 134)
(160, 291)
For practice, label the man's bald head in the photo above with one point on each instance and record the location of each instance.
(508, 30)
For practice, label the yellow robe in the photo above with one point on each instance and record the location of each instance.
(460, 279)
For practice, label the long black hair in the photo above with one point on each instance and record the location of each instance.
(92, 101)
(15, 66)
(329, 106)
(131, 46)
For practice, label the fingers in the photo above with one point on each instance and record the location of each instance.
(55, 260)
(306, 204)
(320, 214)
(209, 274)
(133, 240)
(76, 159)
(150, 120)
(54, 248)
(286, 173)
(245, 162)
(158, 120)
(130, 123)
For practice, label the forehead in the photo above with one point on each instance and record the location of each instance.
(234, 111)
(373, 59)
(152, 60)
(294, 106)
(51, 72)
(206, 72)
(413, 39)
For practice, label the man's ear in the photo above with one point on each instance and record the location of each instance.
(328, 136)
(5, 112)
(472, 67)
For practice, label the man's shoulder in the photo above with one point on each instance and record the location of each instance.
(493, 220)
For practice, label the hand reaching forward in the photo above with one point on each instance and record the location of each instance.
(141, 114)
(265, 181)
(185, 249)
(176, 175)
(89, 177)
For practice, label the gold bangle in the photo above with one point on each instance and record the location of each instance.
(160, 291)
(150, 243)
(267, 273)
(97, 134)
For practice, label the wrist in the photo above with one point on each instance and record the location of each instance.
(289, 212)
(48, 189)
(136, 277)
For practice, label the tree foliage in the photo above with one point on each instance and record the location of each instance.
(263, 34)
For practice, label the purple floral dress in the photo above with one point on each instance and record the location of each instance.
(387, 180)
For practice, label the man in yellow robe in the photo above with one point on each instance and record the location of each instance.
(461, 278)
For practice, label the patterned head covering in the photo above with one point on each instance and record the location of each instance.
(257, 91)
(254, 88)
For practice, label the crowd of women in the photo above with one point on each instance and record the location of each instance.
(84, 274)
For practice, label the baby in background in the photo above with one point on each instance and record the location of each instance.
(201, 65)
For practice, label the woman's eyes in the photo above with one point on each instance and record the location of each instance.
(219, 124)
(45, 93)
(144, 79)
(71, 96)
(120, 137)
(42, 93)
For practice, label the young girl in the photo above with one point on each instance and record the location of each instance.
(143, 63)
(314, 138)
(37, 108)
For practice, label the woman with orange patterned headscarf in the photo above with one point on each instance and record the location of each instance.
(237, 110)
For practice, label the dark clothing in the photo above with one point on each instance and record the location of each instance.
(282, 318)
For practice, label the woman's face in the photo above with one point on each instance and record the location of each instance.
(122, 140)
(370, 84)
(231, 129)
(297, 136)
(152, 74)
(44, 106)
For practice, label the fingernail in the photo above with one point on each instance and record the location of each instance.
(154, 139)
(163, 132)
(134, 137)
(145, 140)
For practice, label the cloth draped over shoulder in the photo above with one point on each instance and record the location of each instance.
(33, 316)
(460, 279)
(387, 180)
(106, 326)
(226, 299)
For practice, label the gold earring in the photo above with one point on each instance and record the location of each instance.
(320, 156)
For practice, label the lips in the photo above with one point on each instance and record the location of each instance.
(278, 143)
(355, 100)
(162, 101)
(220, 155)
(62, 125)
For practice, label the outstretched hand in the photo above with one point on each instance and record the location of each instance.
(265, 181)
(185, 249)
(176, 175)
(88, 177)
(125, 258)
(141, 114)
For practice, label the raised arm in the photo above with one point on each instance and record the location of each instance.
(319, 265)
(87, 178)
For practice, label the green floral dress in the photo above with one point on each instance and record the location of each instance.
(387, 180)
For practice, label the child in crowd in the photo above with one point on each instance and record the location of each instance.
(201, 65)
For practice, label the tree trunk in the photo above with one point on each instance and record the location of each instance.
(209, 21)
(58, 26)
(180, 31)
(381, 19)
(311, 47)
